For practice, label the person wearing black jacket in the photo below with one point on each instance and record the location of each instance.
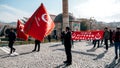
(11, 39)
(117, 42)
(67, 44)
(37, 43)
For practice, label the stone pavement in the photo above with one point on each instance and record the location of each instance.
(52, 55)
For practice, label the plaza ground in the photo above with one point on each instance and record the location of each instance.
(52, 55)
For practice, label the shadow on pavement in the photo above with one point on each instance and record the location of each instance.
(59, 66)
(100, 56)
(55, 45)
(62, 66)
(7, 55)
(78, 52)
(4, 56)
(92, 50)
(25, 53)
(114, 64)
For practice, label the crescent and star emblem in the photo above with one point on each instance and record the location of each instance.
(37, 19)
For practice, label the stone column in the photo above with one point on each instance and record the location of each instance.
(65, 15)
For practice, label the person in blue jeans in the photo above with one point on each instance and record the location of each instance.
(117, 42)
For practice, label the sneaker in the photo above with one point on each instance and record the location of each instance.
(15, 53)
(12, 54)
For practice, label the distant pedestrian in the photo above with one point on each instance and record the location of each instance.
(106, 37)
(117, 42)
(95, 42)
(37, 44)
(49, 38)
(67, 44)
(11, 39)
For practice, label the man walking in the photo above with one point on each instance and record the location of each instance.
(11, 39)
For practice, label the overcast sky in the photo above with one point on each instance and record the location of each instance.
(101, 10)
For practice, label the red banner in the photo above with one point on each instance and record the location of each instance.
(87, 35)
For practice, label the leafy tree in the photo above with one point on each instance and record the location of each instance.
(83, 26)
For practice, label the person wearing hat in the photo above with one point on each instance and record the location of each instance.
(116, 39)
(67, 44)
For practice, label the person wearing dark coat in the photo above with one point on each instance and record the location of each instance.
(106, 36)
(49, 38)
(116, 39)
(11, 39)
(62, 36)
(37, 44)
(67, 45)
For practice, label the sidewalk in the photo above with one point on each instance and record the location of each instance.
(52, 55)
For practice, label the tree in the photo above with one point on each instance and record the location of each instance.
(83, 26)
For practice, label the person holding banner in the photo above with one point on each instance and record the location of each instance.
(67, 44)
(11, 39)
(37, 44)
(106, 37)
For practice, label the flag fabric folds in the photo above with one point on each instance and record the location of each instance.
(20, 32)
(39, 24)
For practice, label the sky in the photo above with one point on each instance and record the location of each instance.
(100, 10)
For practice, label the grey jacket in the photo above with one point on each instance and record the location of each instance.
(106, 35)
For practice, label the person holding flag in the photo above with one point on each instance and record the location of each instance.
(37, 44)
(39, 24)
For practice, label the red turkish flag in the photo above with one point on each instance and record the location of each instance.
(40, 24)
(20, 32)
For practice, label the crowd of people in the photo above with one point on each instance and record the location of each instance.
(113, 36)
